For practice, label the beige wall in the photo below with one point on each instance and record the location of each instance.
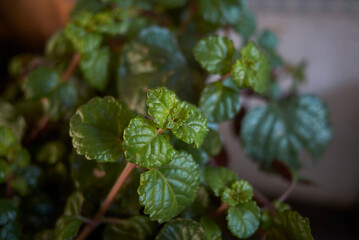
(330, 43)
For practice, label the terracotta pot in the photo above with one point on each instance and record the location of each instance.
(31, 22)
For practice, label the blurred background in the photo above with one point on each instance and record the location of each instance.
(323, 32)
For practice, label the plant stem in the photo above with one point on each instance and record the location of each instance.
(192, 9)
(88, 229)
(225, 76)
(263, 201)
(35, 131)
(159, 131)
(219, 210)
(288, 191)
(71, 68)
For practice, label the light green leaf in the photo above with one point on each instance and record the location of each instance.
(7, 140)
(8, 211)
(151, 60)
(95, 67)
(243, 220)
(246, 26)
(40, 82)
(160, 101)
(282, 130)
(73, 204)
(289, 225)
(213, 231)
(143, 146)
(280, 206)
(219, 178)
(220, 101)
(252, 70)
(5, 170)
(187, 124)
(182, 229)
(97, 129)
(67, 228)
(239, 192)
(166, 191)
(134, 228)
(10, 118)
(215, 54)
(212, 144)
(58, 45)
(221, 12)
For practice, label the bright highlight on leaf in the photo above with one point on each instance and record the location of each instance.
(215, 54)
(182, 229)
(252, 70)
(167, 190)
(97, 128)
(143, 146)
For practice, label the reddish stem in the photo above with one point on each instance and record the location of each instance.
(192, 9)
(71, 68)
(88, 229)
(288, 191)
(35, 131)
(223, 207)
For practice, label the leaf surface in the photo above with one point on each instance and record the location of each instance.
(182, 229)
(219, 178)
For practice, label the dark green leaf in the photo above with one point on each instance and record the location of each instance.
(7, 140)
(221, 12)
(239, 192)
(51, 152)
(187, 124)
(5, 170)
(19, 156)
(213, 231)
(252, 70)
(281, 207)
(171, 3)
(212, 144)
(47, 234)
(246, 26)
(73, 204)
(8, 211)
(160, 102)
(199, 206)
(268, 40)
(97, 129)
(219, 178)
(11, 231)
(289, 225)
(67, 228)
(220, 101)
(58, 45)
(134, 228)
(215, 54)
(182, 229)
(20, 185)
(166, 191)
(152, 60)
(144, 146)
(40, 82)
(243, 220)
(282, 130)
(10, 118)
(95, 67)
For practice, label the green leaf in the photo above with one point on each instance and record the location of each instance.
(246, 26)
(160, 102)
(10, 118)
(166, 191)
(47, 234)
(154, 59)
(51, 152)
(7, 140)
(182, 229)
(5, 170)
(11, 231)
(73, 204)
(58, 45)
(215, 54)
(134, 228)
(171, 3)
(219, 178)
(282, 130)
(199, 206)
(82, 40)
(239, 192)
(289, 225)
(97, 129)
(252, 70)
(243, 220)
(281, 207)
(268, 40)
(213, 231)
(187, 124)
(220, 101)
(221, 12)
(95, 67)
(8, 211)
(144, 146)
(67, 228)
(212, 144)
(40, 82)
(19, 156)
